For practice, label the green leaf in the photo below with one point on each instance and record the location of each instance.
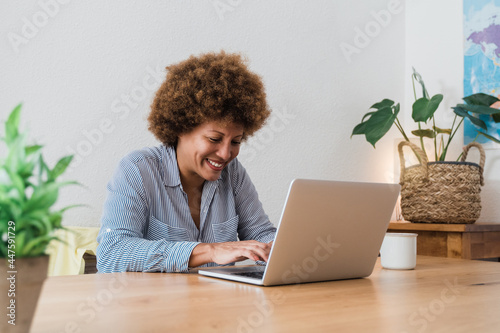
(367, 115)
(396, 109)
(56, 219)
(12, 125)
(481, 99)
(496, 117)
(17, 183)
(442, 131)
(20, 241)
(359, 129)
(10, 207)
(478, 109)
(43, 169)
(36, 246)
(26, 170)
(43, 217)
(428, 133)
(35, 226)
(476, 121)
(380, 123)
(5, 208)
(60, 167)
(384, 103)
(32, 149)
(62, 210)
(423, 108)
(16, 154)
(489, 136)
(419, 79)
(43, 166)
(43, 197)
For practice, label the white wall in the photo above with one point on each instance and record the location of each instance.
(76, 65)
(434, 46)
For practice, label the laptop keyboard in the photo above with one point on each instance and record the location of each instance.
(255, 275)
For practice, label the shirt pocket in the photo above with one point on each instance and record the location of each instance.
(226, 231)
(160, 230)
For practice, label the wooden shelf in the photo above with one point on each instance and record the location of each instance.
(475, 227)
(466, 241)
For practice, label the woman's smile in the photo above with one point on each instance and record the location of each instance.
(215, 166)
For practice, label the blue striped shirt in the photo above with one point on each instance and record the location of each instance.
(147, 225)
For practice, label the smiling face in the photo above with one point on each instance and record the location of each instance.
(204, 152)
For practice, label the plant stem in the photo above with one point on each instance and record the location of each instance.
(413, 84)
(400, 128)
(435, 138)
(419, 126)
(422, 140)
(445, 149)
(441, 146)
(443, 155)
(453, 132)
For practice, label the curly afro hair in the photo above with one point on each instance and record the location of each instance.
(209, 87)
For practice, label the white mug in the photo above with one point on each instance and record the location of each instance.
(399, 251)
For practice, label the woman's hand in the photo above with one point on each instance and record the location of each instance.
(225, 253)
(228, 252)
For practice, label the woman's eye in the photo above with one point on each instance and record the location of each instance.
(219, 140)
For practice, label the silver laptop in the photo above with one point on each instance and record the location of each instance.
(329, 230)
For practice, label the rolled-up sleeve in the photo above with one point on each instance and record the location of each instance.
(122, 245)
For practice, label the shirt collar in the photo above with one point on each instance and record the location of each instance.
(171, 176)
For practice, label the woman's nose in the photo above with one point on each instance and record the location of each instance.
(225, 151)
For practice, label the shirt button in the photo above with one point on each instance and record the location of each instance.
(108, 230)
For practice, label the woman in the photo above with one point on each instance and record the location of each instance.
(186, 202)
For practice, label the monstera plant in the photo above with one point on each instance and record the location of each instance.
(384, 114)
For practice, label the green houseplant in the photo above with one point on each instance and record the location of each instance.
(28, 191)
(384, 114)
(440, 191)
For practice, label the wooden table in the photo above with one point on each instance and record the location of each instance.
(466, 241)
(440, 295)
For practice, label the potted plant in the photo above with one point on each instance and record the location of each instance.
(428, 186)
(28, 191)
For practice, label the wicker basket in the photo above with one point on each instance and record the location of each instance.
(441, 192)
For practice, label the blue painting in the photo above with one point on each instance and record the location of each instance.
(482, 60)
